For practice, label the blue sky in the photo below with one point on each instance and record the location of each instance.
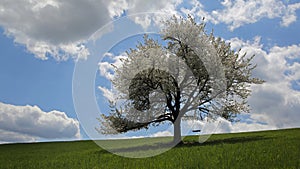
(42, 41)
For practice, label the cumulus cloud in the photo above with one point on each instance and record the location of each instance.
(10, 137)
(198, 11)
(29, 123)
(107, 93)
(52, 27)
(277, 101)
(117, 8)
(106, 69)
(162, 134)
(235, 13)
(240, 12)
(290, 14)
(152, 12)
(61, 28)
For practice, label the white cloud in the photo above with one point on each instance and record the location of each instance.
(108, 94)
(290, 14)
(52, 27)
(117, 7)
(61, 28)
(136, 6)
(11, 137)
(106, 70)
(153, 11)
(198, 11)
(275, 102)
(144, 13)
(161, 134)
(237, 13)
(30, 123)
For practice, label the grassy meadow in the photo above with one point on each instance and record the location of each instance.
(262, 150)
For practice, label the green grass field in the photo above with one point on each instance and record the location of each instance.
(268, 149)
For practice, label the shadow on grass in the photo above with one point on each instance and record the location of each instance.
(157, 146)
(233, 140)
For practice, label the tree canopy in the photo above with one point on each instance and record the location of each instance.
(194, 76)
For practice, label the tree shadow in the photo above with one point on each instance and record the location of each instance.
(157, 146)
(233, 140)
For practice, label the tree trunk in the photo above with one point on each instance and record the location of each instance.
(177, 131)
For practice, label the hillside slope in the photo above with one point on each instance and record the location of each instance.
(267, 149)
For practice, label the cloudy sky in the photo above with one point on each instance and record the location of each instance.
(42, 41)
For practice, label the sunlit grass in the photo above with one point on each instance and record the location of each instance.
(269, 149)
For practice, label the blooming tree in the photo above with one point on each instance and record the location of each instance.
(194, 76)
